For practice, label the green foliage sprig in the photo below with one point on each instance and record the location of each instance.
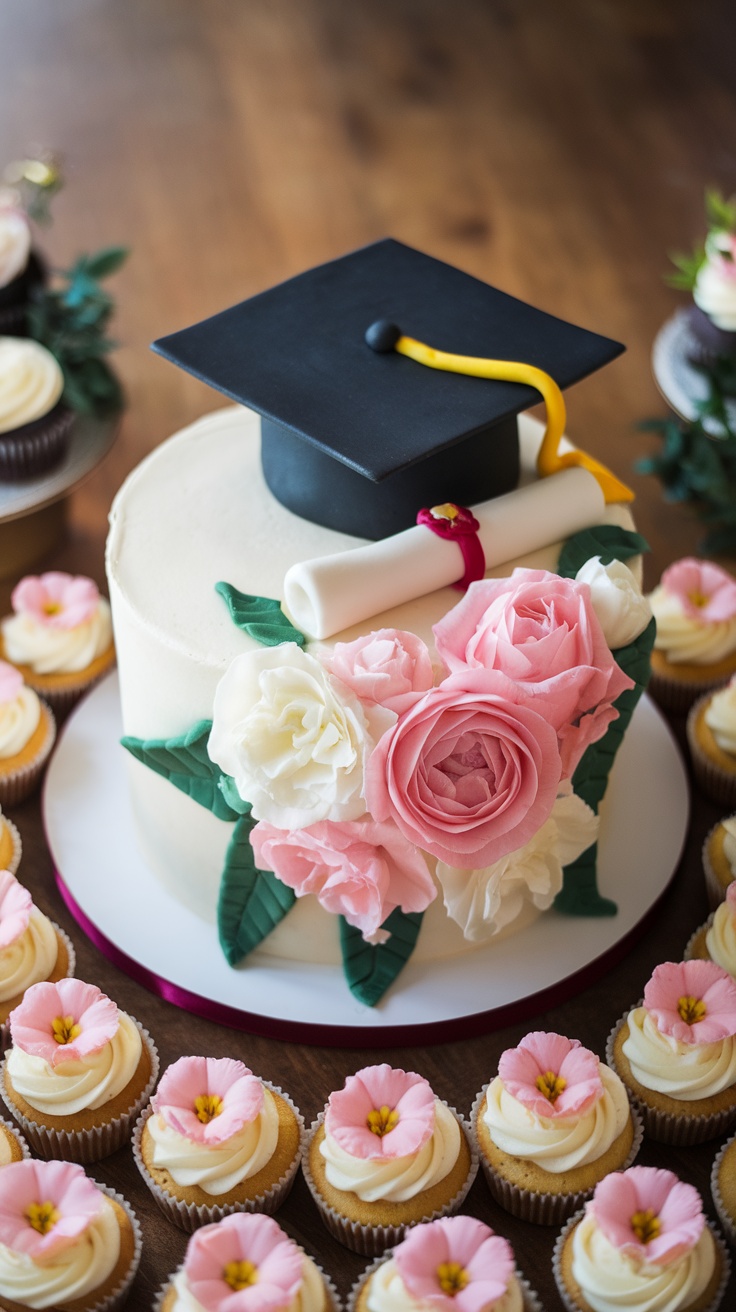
(70, 318)
(721, 216)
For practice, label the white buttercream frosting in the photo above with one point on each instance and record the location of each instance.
(311, 1297)
(720, 938)
(75, 1086)
(685, 640)
(557, 1144)
(729, 842)
(715, 285)
(18, 722)
(685, 1071)
(217, 1167)
(15, 239)
(610, 1280)
(72, 1273)
(49, 650)
(622, 609)
(720, 717)
(30, 958)
(388, 1293)
(31, 382)
(396, 1179)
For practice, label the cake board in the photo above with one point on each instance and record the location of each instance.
(121, 906)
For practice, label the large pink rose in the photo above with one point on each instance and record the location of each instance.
(543, 632)
(382, 666)
(358, 869)
(470, 771)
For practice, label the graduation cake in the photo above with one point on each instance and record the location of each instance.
(379, 646)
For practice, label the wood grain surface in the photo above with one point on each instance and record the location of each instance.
(558, 151)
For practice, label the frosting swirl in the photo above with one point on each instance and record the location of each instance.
(720, 717)
(396, 1179)
(50, 650)
(76, 1086)
(562, 1144)
(720, 939)
(217, 1167)
(715, 284)
(15, 238)
(684, 639)
(71, 1273)
(18, 722)
(611, 1280)
(388, 1293)
(685, 1071)
(311, 1296)
(31, 382)
(30, 958)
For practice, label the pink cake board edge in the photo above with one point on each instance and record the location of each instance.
(89, 759)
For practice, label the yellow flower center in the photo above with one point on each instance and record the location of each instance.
(51, 607)
(382, 1120)
(446, 511)
(207, 1106)
(646, 1225)
(239, 1275)
(699, 599)
(65, 1028)
(551, 1085)
(42, 1216)
(452, 1277)
(691, 1009)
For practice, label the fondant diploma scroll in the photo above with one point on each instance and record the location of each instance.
(331, 593)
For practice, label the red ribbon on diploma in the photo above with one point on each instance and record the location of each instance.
(458, 524)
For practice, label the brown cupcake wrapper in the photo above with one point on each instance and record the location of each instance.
(26, 454)
(572, 1306)
(678, 695)
(714, 888)
(717, 783)
(91, 1145)
(117, 1297)
(334, 1302)
(728, 1222)
(17, 842)
(690, 945)
(530, 1299)
(541, 1208)
(373, 1240)
(190, 1216)
(15, 787)
(62, 699)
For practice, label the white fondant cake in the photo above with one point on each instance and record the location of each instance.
(196, 512)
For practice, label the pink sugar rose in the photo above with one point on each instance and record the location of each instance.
(11, 682)
(625, 1201)
(15, 909)
(553, 1076)
(56, 600)
(693, 1001)
(543, 632)
(381, 1112)
(459, 1243)
(66, 1021)
(383, 667)
(244, 1244)
(359, 869)
(705, 591)
(470, 771)
(58, 1196)
(208, 1099)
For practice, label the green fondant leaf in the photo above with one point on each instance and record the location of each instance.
(185, 763)
(260, 617)
(370, 970)
(605, 540)
(251, 901)
(232, 797)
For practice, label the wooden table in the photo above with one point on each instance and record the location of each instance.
(557, 151)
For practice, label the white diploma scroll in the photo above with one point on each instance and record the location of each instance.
(331, 593)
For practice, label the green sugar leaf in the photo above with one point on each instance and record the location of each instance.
(371, 970)
(185, 763)
(605, 540)
(251, 901)
(260, 617)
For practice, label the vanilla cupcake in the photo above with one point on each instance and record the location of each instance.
(21, 271)
(215, 1140)
(78, 1072)
(719, 859)
(723, 1187)
(65, 1241)
(695, 648)
(384, 1155)
(59, 636)
(32, 947)
(455, 1262)
(711, 736)
(11, 847)
(716, 939)
(247, 1249)
(642, 1243)
(27, 734)
(552, 1123)
(676, 1053)
(34, 422)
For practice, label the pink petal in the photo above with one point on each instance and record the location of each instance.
(538, 1053)
(62, 1183)
(31, 1023)
(346, 1119)
(486, 1258)
(703, 980)
(640, 1189)
(248, 1237)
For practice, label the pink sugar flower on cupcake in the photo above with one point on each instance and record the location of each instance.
(206, 1099)
(455, 1264)
(648, 1214)
(381, 1112)
(62, 1022)
(552, 1075)
(56, 600)
(49, 1206)
(694, 1001)
(705, 592)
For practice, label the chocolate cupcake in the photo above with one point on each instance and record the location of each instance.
(21, 269)
(34, 422)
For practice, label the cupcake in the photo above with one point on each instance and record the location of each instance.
(21, 271)
(454, 1264)
(676, 1053)
(711, 736)
(643, 1243)
(712, 319)
(719, 859)
(32, 947)
(78, 1072)
(216, 1139)
(723, 1187)
(27, 734)
(695, 648)
(11, 847)
(716, 939)
(59, 636)
(65, 1241)
(242, 1250)
(384, 1155)
(551, 1124)
(34, 422)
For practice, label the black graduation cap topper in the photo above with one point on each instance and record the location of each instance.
(359, 439)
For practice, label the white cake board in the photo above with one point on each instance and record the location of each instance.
(131, 917)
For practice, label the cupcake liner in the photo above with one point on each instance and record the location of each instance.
(531, 1301)
(17, 1135)
(190, 1216)
(727, 1221)
(36, 447)
(697, 939)
(20, 784)
(91, 1145)
(714, 886)
(678, 694)
(372, 1240)
(62, 699)
(667, 1127)
(542, 1208)
(116, 1298)
(333, 1303)
(718, 783)
(17, 842)
(572, 1306)
(70, 969)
